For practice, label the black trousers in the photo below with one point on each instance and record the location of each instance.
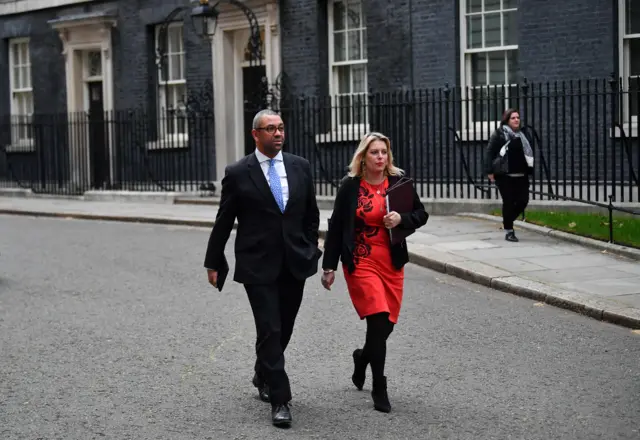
(515, 197)
(275, 307)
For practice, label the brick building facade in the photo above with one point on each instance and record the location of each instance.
(56, 54)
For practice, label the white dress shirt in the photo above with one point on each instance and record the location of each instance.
(280, 169)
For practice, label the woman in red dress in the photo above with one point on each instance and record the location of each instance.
(373, 268)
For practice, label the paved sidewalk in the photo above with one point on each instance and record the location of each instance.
(544, 268)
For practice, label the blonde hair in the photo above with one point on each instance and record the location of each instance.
(356, 167)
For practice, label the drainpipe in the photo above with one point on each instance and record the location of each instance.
(412, 60)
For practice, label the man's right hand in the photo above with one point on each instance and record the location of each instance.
(492, 177)
(213, 277)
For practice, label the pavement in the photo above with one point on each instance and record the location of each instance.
(109, 330)
(600, 281)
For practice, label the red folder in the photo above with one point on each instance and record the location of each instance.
(399, 198)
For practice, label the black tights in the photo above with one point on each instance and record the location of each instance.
(375, 348)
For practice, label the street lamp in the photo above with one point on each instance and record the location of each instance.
(207, 15)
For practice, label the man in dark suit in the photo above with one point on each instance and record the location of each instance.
(272, 196)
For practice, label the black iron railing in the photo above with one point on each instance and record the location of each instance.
(584, 136)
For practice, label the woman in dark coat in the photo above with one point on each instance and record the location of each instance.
(373, 268)
(509, 161)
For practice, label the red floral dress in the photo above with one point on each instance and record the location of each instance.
(375, 286)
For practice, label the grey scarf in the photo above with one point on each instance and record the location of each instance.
(510, 135)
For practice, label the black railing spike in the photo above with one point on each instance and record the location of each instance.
(525, 86)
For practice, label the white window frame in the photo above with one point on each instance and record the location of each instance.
(19, 142)
(630, 124)
(178, 139)
(345, 131)
(479, 130)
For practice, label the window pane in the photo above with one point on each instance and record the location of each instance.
(353, 15)
(95, 63)
(175, 39)
(478, 69)
(339, 47)
(512, 66)
(497, 68)
(15, 54)
(510, 31)
(474, 32)
(180, 95)
(344, 79)
(359, 109)
(20, 103)
(359, 74)
(478, 103)
(344, 109)
(355, 46)
(509, 4)
(175, 63)
(23, 53)
(338, 16)
(634, 57)
(364, 44)
(491, 5)
(28, 105)
(474, 5)
(632, 12)
(492, 30)
(26, 77)
(17, 84)
(634, 95)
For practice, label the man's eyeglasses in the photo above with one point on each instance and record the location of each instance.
(271, 129)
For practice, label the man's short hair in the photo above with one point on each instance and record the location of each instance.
(258, 117)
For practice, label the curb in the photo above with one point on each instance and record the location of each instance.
(581, 303)
(611, 248)
(475, 272)
(114, 218)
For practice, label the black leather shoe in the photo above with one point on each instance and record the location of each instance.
(380, 396)
(263, 388)
(281, 415)
(359, 369)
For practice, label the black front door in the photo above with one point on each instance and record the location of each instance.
(254, 91)
(98, 141)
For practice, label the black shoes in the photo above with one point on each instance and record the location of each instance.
(379, 395)
(359, 369)
(263, 388)
(281, 415)
(511, 236)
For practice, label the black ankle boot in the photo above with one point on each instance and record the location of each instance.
(379, 395)
(359, 369)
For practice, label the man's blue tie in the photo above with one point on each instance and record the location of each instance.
(274, 182)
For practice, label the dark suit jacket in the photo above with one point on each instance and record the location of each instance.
(266, 238)
(340, 241)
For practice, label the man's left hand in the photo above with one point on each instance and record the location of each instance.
(391, 220)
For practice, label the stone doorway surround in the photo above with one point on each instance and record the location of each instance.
(82, 34)
(228, 56)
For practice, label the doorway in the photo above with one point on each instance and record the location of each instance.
(98, 142)
(254, 91)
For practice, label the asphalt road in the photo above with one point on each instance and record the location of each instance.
(110, 331)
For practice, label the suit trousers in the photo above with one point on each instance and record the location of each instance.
(275, 307)
(515, 197)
